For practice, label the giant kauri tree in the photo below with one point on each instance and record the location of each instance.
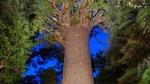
(72, 22)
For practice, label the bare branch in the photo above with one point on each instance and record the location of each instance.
(57, 36)
(62, 17)
(97, 13)
(58, 11)
(56, 20)
(83, 10)
(53, 2)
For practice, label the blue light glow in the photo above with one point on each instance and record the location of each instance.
(96, 72)
(98, 41)
(38, 47)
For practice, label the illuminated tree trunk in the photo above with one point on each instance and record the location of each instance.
(73, 35)
(77, 63)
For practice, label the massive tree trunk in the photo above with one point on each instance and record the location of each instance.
(77, 63)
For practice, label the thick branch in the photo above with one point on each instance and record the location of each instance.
(58, 37)
(83, 10)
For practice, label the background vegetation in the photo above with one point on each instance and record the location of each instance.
(127, 61)
(18, 23)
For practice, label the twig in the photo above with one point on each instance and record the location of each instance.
(96, 13)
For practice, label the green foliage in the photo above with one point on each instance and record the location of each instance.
(143, 19)
(100, 4)
(18, 23)
(129, 77)
(146, 77)
(129, 43)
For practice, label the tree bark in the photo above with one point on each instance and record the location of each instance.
(77, 63)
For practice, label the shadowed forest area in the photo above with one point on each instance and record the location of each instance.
(75, 41)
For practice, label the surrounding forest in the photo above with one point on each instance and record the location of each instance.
(33, 32)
